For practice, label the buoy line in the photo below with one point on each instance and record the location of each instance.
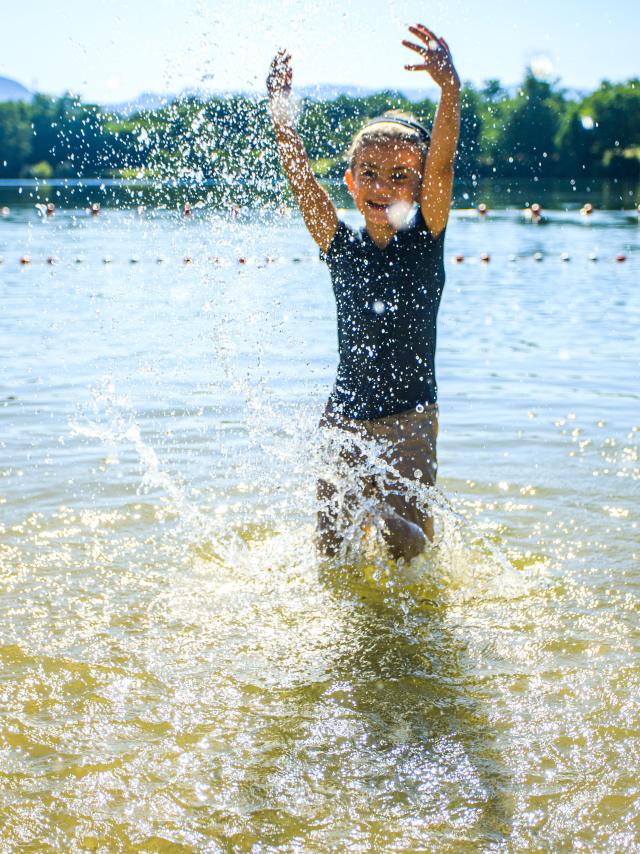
(244, 260)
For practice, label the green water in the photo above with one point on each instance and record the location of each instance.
(180, 673)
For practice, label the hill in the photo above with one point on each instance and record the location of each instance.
(11, 90)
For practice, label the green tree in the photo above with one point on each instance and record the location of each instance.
(601, 133)
(535, 132)
(15, 137)
(529, 124)
(471, 123)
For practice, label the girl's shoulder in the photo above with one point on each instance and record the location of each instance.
(345, 238)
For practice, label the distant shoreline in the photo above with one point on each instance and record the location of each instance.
(37, 183)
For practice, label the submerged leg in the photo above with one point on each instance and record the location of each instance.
(328, 536)
(404, 539)
(413, 456)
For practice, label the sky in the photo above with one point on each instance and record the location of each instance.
(112, 51)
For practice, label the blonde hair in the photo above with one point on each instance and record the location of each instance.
(398, 127)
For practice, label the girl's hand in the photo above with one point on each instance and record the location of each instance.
(280, 76)
(436, 55)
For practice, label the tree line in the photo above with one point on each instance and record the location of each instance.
(536, 130)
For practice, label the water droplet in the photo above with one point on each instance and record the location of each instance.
(542, 67)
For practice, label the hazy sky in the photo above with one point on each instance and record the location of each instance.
(111, 51)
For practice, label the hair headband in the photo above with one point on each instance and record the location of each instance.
(400, 120)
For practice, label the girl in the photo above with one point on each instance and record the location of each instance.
(387, 280)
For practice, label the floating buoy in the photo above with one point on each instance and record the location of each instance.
(533, 212)
(565, 256)
(134, 259)
(620, 258)
(483, 210)
(25, 260)
(538, 256)
(50, 209)
(242, 260)
(485, 257)
(107, 259)
(593, 256)
(269, 259)
(459, 259)
(94, 209)
(160, 259)
(5, 211)
(187, 259)
(214, 259)
(512, 258)
(587, 209)
(51, 259)
(296, 260)
(186, 209)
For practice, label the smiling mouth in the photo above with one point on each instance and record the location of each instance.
(377, 206)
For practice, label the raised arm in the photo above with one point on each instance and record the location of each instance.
(437, 179)
(313, 200)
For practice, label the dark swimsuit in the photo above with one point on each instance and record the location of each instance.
(387, 305)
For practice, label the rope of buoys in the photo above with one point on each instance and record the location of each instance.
(244, 260)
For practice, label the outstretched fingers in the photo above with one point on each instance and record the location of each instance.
(418, 48)
(435, 54)
(280, 73)
(281, 60)
(423, 33)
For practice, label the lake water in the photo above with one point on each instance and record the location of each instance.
(179, 673)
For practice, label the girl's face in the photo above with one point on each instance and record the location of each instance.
(385, 181)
